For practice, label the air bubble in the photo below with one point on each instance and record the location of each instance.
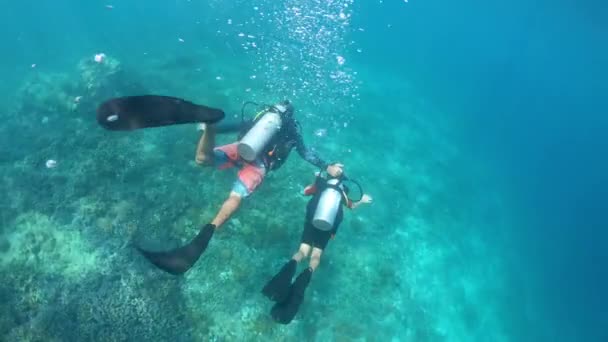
(51, 163)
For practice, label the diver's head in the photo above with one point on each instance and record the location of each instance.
(285, 108)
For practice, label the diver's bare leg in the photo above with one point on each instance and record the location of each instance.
(302, 252)
(315, 258)
(204, 149)
(228, 208)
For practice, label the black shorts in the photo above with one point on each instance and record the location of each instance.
(316, 237)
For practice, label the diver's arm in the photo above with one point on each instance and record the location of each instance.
(333, 169)
(309, 154)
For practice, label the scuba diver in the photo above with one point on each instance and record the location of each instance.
(323, 217)
(263, 146)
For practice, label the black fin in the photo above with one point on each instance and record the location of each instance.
(134, 112)
(277, 289)
(181, 259)
(285, 312)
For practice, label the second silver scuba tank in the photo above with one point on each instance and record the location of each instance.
(328, 206)
(256, 139)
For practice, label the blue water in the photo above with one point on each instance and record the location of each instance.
(477, 127)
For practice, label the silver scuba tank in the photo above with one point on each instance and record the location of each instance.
(328, 206)
(256, 139)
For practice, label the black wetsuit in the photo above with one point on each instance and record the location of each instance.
(283, 142)
(311, 235)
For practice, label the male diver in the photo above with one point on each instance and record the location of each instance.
(263, 146)
(323, 216)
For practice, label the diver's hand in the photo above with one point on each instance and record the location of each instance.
(335, 170)
(365, 199)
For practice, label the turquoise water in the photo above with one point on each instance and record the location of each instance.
(477, 127)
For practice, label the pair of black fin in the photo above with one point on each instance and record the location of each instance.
(288, 296)
(135, 112)
(277, 289)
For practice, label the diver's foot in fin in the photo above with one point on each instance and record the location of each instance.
(181, 259)
(277, 289)
(134, 112)
(285, 312)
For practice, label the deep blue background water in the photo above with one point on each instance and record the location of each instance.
(526, 80)
(529, 80)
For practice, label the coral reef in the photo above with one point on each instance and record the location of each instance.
(70, 272)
